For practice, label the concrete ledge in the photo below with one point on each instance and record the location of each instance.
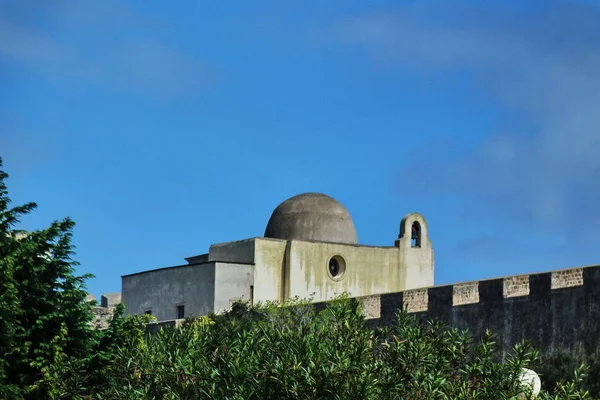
(156, 326)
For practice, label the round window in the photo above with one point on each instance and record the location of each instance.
(336, 267)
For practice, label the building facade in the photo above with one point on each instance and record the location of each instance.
(310, 250)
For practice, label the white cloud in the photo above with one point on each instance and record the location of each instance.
(103, 43)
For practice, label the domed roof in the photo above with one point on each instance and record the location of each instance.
(312, 216)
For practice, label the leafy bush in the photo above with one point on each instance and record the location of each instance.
(295, 352)
(562, 366)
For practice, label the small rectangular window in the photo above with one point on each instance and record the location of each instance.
(251, 295)
(180, 312)
(149, 312)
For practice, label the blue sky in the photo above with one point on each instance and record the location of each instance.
(161, 128)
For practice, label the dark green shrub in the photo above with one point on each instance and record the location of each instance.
(294, 352)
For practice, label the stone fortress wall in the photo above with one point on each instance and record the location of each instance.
(554, 310)
(104, 312)
(558, 309)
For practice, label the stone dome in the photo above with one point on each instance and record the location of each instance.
(312, 216)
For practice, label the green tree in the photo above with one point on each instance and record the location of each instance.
(43, 313)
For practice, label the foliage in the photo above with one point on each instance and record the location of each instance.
(295, 352)
(561, 366)
(43, 313)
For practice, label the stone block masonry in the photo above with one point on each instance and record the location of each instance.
(415, 300)
(516, 286)
(465, 293)
(372, 306)
(103, 313)
(567, 278)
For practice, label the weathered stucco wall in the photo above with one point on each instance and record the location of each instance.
(299, 268)
(162, 290)
(418, 261)
(233, 282)
(559, 309)
(286, 269)
(266, 269)
(269, 269)
(241, 251)
(368, 270)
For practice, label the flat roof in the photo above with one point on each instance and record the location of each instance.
(185, 265)
(304, 240)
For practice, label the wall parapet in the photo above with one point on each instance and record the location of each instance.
(462, 294)
(516, 286)
(416, 300)
(567, 278)
(465, 293)
(557, 309)
(152, 327)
